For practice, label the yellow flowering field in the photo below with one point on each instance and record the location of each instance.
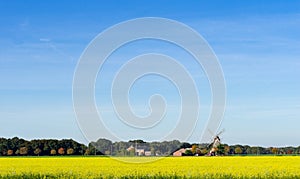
(168, 167)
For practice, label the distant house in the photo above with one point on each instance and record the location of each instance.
(147, 153)
(180, 152)
(130, 148)
(140, 152)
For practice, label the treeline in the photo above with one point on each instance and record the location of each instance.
(39, 147)
(51, 147)
(257, 150)
(168, 147)
(135, 147)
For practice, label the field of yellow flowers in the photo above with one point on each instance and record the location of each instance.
(168, 167)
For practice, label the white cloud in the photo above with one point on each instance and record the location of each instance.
(45, 39)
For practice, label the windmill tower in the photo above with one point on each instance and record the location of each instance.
(215, 144)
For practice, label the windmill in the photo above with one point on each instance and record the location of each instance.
(215, 143)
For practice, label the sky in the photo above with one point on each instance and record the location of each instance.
(257, 44)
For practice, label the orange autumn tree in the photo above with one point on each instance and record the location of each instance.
(61, 151)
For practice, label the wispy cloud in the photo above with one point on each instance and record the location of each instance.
(45, 39)
(54, 47)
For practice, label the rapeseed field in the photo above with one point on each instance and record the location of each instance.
(142, 167)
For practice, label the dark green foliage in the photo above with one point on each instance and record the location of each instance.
(39, 147)
(43, 147)
(139, 141)
(188, 153)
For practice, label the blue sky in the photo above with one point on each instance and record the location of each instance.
(257, 43)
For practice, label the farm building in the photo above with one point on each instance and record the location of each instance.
(180, 152)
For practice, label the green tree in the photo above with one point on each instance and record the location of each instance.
(53, 144)
(92, 149)
(204, 151)
(226, 149)
(185, 145)
(103, 145)
(248, 150)
(46, 149)
(139, 141)
(14, 143)
(238, 150)
(17, 152)
(37, 151)
(87, 152)
(221, 149)
(3, 146)
(188, 153)
(132, 152)
(152, 151)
